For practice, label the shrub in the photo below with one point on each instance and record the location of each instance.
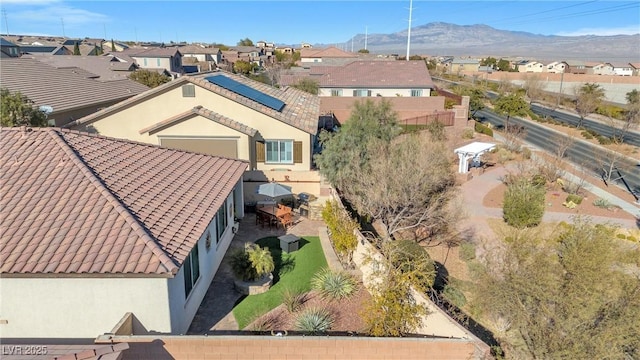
(577, 199)
(621, 236)
(632, 238)
(503, 155)
(264, 323)
(467, 134)
(602, 203)
(411, 258)
(587, 135)
(483, 129)
(293, 299)
(251, 262)
(342, 228)
(603, 140)
(454, 295)
(467, 251)
(538, 180)
(569, 204)
(526, 153)
(314, 320)
(334, 284)
(523, 204)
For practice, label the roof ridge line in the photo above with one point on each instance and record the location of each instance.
(164, 258)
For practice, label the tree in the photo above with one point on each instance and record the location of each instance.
(503, 65)
(113, 46)
(308, 85)
(631, 117)
(476, 97)
(149, 78)
(490, 61)
(245, 42)
(570, 293)
(18, 110)
(99, 49)
(76, 49)
(510, 105)
(534, 87)
(523, 203)
(243, 67)
(432, 64)
(363, 51)
(588, 97)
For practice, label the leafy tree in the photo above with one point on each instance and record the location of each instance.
(363, 51)
(243, 67)
(307, 85)
(393, 309)
(245, 42)
(76, 49)
(490, 61)
(588, 97)
(523, 203)
(149, 78)
(342, 228)
(534, 87)
(511, 105)
(113, 46)
(431, 64)
(632, 115)
(503, 65)
(415, 57)
(476, 96)
(571, 293)
(18, 110)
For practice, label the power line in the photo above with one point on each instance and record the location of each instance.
(545, 11)
(582, 13)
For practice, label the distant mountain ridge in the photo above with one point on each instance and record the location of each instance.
(438, 38)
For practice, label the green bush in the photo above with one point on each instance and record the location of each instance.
(603, 140)
(587, 135)
(411, 258)
(602, 203)
(251, 262)
(538, 180)
(454, 296)
(504, 155)
(523, 204)
(632, 238)
(621, 236)
(342, 228)
(314, 320)
(467, 251)
(293, 299)
(577, 199)
(526, 153)
(483, 129)
(467, 134)
(334, 284)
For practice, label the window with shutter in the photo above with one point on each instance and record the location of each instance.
(297, 152)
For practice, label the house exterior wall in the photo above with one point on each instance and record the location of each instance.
(172, 103)
(348, 92)
(310, 60)
(171, 64)
(184, 308)
(604, 69)
(534, 67)
(623, 71)
(60, 118)
(80, 307)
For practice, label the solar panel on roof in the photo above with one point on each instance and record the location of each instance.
(246, 91)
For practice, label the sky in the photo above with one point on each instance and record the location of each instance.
(294, 21)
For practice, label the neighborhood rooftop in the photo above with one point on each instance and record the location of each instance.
(64, 88)
(77, 203)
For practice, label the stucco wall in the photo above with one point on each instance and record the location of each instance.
(348, 92)
(80, 307)
(184, 309)
(127, 122)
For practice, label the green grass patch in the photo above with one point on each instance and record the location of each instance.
(293, 271)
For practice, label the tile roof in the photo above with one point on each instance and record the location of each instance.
(330, 52)
(61, 88)
(301, 110)
(150, 52)
(79, 203)
(105, 67)
(378, 74)
(194, 49)
(199, 110)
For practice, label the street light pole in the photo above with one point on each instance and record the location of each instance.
(560, 91)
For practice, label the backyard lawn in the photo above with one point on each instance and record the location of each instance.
(293, 270)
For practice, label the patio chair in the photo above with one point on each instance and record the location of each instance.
(286, 220)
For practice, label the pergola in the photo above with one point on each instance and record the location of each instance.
(471, 151)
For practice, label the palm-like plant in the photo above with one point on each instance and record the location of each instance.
(314, 320)
(261, 260)
(334, 284)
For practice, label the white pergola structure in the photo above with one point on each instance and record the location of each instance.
(471, 151)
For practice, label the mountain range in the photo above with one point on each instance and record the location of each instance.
(438, 38)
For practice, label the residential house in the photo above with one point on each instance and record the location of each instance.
(603, 69)
(368, 78)
(167, 58)
(105, 68)
(71, 91)
(579, 67)
(460, 65)
(94, 228)
(305, 45)
(636, 68)
(622, 69)
(310, 55)
(251, 54)
(531, 67)
(8, 49)
(222, 114)
(286, 50)
(206, 55)
(557, 67)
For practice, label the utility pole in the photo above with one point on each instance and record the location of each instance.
(62, 22)
(6, 23)
(365, 37)
(352, 43)
(560, 91)
(409, 30)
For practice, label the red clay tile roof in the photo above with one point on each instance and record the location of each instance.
(199, 110)
(301, 109)
(367, 74)
(330, 52)
(72, 202)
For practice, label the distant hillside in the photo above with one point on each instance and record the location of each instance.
(481, 40)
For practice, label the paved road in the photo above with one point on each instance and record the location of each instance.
(579, 152)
